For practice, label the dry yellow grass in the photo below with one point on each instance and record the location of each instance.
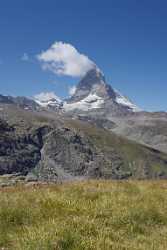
(85, 215)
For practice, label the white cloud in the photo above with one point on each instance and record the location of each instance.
(64, 59)
(25, 57)
(46, 96)
(72, 90)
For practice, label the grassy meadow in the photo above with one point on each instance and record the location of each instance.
(130, 215)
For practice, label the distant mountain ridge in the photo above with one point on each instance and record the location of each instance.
(48, 100)
(91, 93)
(21, 101)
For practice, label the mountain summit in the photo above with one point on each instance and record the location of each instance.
(93, 83)
(93, 92)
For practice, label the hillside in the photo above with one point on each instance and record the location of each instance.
(53, 148)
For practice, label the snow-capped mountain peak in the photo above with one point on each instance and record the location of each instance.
(93, 92)
(92, 83)
(47, 99)
(121, 99)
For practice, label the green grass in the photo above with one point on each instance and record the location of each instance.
(85, 215)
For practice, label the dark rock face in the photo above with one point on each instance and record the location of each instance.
(65, 155)
(57, 153)
(54, 154)
(19, 152)
(92, 82)
(4, 127)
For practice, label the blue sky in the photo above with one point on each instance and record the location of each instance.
(127, 39)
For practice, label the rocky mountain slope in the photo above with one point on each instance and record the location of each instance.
(54, 147)
(93, 93)
(144, 127)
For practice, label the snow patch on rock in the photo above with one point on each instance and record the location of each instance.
(120, 99)
(92, 101)
(46, 99)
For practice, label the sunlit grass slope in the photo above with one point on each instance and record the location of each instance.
(85, 215)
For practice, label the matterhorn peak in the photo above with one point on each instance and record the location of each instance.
(93, 76)
(93, 83)
(93, 92)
